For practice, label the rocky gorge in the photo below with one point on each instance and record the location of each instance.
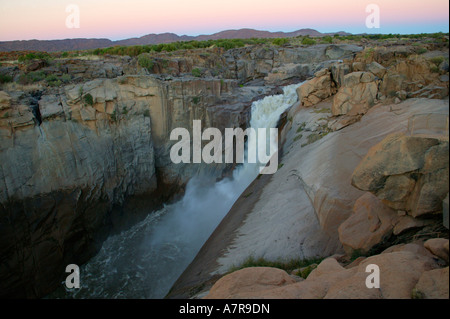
(363, 180)
(364, 162)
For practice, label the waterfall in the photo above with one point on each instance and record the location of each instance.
(145, 261)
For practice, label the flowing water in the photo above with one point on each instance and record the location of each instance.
(145, 261)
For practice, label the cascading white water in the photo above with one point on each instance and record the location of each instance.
(145, 261)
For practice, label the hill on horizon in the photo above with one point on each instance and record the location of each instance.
(89, 44)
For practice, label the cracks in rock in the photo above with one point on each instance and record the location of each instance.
(35, 96)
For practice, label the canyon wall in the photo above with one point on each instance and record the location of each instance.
(91, 156)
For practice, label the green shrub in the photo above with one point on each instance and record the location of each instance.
(327, 39)
(421, 51)
(196, 100)
(298, 137)
(196, 72)
(280, 41)
(437, 60)
(5, 78)
(51, 77)
(145, 62)
(434, 69)
(66, 78)
(308, 41)
(31, 77)
(34, 56)
(307, 270)
(301, 127)
(114, 116)
(88, 99)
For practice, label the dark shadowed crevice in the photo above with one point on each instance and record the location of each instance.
(34, 105)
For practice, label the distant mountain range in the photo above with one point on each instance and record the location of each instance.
(87, 44)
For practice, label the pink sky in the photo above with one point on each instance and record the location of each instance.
(113, 19)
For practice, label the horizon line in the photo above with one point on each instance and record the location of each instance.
(207, 34)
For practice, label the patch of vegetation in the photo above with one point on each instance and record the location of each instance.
(137, 50)
(196, 72)
(422, 51)
(301, 128)
(416, 294)
(322, 110)
(314, 137)
(5, 78)
(280, 165)
(304, 273)
(34, 56)
(145, 62)
(114, 116)
(434, 69)
(147, 113)
(298, 137)
(88, 99)
(286, 265)
(53, 80)
(280, 41)
(368, 53)
(124, 110)
(327, 39)
(436, 36)
(308, 41)
(31, 77)
(66, 78)
(196, 100)
(437, 60)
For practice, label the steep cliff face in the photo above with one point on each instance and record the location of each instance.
(83, 157)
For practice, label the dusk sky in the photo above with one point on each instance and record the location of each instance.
(114, 19)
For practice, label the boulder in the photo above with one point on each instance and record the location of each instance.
(438, 247)
(399, 273)
(357, 94)
(433, 284)
(407, 172)
(249, 283)
(371, 222)
(328, 273)
(377, 69)
(317, 89)
(288, 71)
(338, 72)
(433, 182)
